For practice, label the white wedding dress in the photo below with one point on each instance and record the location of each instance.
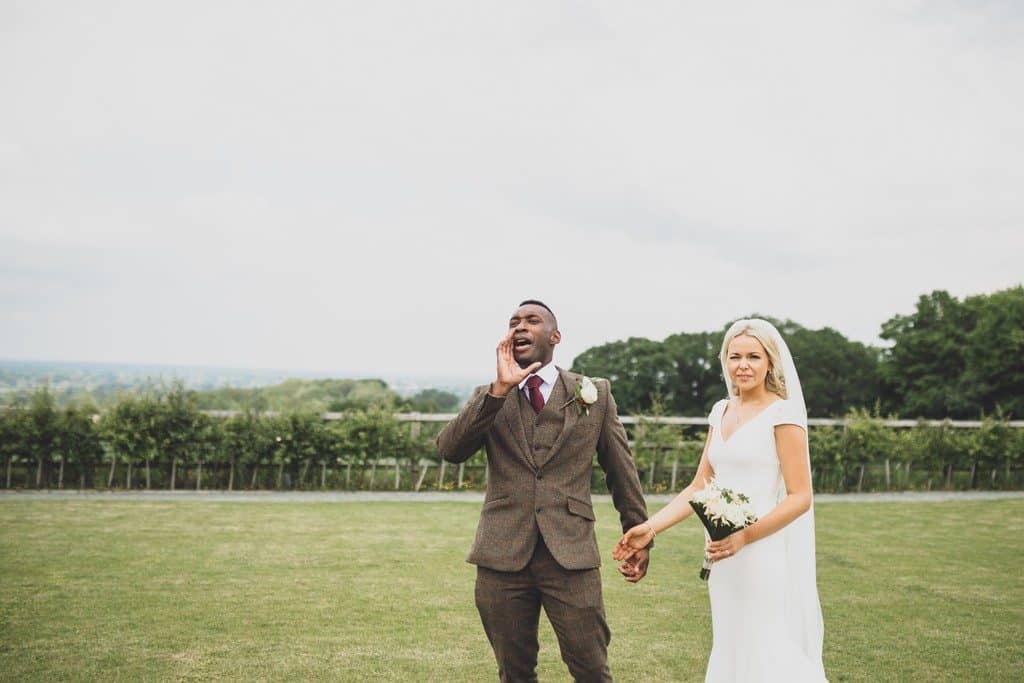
(765, 615)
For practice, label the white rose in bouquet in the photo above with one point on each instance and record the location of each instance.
(736, 515)
(716, 508)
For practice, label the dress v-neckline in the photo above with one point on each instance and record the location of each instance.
(721, 431)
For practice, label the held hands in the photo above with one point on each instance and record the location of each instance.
(727, 547)
(509, 372)
(633, 541)
(635, 568)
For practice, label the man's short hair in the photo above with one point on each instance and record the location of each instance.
(537, 302)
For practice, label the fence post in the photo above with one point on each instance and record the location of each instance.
(423, 474)
(675, 470)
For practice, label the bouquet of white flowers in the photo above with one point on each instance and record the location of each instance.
(723, 512)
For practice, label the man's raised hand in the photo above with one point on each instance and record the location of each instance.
(509, 372)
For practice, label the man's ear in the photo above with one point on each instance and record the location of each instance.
(556, 337)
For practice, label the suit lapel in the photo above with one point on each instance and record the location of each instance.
(571, 414)
(514, 419)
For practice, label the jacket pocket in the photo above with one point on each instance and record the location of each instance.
(580, 508)
(494, 501)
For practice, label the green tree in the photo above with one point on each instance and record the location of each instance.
(77, 441)
(264, 442)
(828, 461)
(42, 429)
(14, 438)
(369, 435)
(836, 374)
(866, 440)
(990, 446)
(696, 382)
(241, 442)
(304, 441)
(994, 353)
(956, 359)
(210, 445)
(129, 430)
(639, 369)
(921, 372)
(432, 401)
(175, 428)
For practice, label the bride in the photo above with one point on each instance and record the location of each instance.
(765, 616)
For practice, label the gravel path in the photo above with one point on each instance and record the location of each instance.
(450, 496)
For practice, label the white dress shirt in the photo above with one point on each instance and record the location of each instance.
(548, 373)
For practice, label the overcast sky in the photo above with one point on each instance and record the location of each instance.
(371, 187)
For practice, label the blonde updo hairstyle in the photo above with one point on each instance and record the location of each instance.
(774, 381)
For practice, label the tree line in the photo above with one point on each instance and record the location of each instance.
(950, 358)
(864, 453)
(158, 438)
(164, 440)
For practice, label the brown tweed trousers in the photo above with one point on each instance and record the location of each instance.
(535, 543)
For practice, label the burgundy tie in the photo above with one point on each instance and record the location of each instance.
(536, 398)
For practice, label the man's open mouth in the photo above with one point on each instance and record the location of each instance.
(521, 343)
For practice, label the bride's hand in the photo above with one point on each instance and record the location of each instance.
(728, 546)
(635, 539)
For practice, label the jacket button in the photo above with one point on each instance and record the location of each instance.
(538, 509)
(540, 476)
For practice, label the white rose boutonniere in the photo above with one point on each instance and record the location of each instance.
(586, 396)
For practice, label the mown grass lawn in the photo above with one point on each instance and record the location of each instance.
(188, 590)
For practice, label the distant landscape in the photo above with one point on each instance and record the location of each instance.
(950, 358)
(101, 384)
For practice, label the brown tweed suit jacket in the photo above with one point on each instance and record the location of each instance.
(540, 471)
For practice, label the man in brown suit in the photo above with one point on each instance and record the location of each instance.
(535, 543)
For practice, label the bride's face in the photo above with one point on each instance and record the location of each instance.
(746, 362)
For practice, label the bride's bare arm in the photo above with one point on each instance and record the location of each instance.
(791, 444)
(676, 511)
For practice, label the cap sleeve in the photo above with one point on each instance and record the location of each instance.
(788, 413)
(715, 417)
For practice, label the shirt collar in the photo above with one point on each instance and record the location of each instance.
(548, 373)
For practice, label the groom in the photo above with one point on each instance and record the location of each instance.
(535, 544)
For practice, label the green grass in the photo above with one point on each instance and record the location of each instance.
(100, 590)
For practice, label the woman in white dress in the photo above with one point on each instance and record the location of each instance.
(765, 615)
